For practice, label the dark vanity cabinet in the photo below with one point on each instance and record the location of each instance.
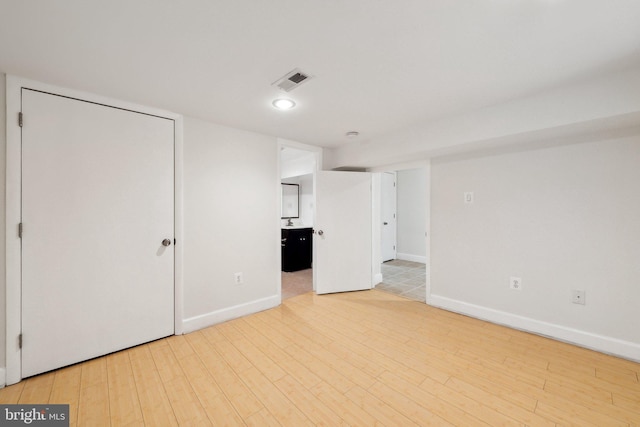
(296, 248)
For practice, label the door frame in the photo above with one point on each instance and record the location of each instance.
(13, 208)
(317, 151)
(426, 164)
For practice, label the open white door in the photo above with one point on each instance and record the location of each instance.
(342, 239)
(388, 203)
(97, 246)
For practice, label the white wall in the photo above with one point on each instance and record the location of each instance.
(560, 218)
(412, 214)
(231, 207)
(568, 112)
(303, 165)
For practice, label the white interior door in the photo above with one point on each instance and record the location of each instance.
(342, 239)
(97, 202)
(388, 203)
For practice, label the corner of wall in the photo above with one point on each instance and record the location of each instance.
(208, 319)
(377, 279)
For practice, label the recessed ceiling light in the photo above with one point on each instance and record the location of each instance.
(283, 104)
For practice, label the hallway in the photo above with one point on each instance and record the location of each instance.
(404, 278)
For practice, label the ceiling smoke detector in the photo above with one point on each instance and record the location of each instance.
(352, 134)
(292, 80)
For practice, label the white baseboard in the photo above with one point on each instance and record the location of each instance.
(377, 278)
(3, 378)
(410, 257)
(603, 344)
(219, 316)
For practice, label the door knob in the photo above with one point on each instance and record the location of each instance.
(166, 242)
(385, 223)
(320, 232)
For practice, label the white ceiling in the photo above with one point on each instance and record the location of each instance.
(379, 65)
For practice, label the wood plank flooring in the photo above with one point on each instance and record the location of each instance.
(361, 358)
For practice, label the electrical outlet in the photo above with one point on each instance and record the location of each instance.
(578, 297)
(238, 278)
(515, 283)
(468, 197)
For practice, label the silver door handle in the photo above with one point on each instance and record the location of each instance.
(320, 232)
(166, 242)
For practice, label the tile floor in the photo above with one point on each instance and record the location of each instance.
(404, 278)
(296, 283)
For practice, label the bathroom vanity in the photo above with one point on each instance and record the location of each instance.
(296, 248)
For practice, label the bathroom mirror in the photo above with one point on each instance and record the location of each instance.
(290, 200)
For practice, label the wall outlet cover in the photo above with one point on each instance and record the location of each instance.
(238, 278)
(515, 283)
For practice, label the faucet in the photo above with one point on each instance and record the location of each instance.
(289, 222)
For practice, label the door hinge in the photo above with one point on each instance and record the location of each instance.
(20, 341)
(20, 230)
(20, 119)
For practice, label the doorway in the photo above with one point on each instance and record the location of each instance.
(406, 273)
(297, 176)
(341, 224)
(95, 185)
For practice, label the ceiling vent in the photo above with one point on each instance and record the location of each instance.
(292, 80)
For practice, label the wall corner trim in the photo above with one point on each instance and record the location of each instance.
(377, 278)
(208, 319)
(603, 344)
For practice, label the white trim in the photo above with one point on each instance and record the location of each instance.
(178, 224)
(13, 247)
(377, 278)
(427, 228)
(601, 343)
(410, 257)
(204, 320)
(278, 215)
(14, 86)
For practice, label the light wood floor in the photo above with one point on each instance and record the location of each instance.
(362, 358)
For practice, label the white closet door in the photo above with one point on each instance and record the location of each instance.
(388, 231)
(342, 240)
(97, 202)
